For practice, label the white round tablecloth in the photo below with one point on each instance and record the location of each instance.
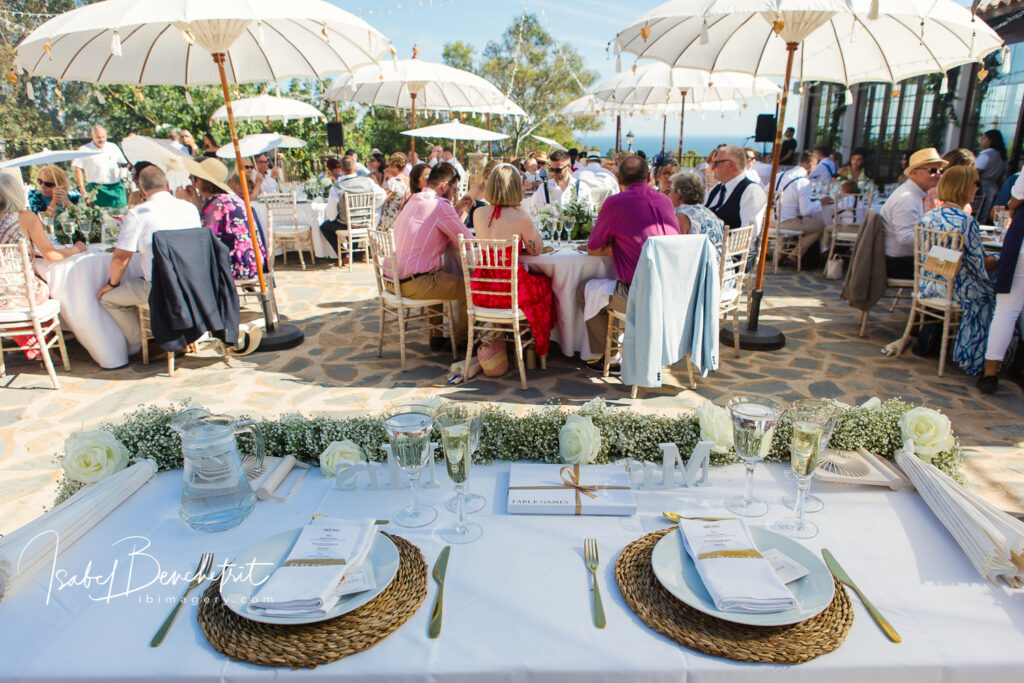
(308, 213)
(74, 282)
(567, 268)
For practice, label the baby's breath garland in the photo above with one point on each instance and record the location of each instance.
(624, 433)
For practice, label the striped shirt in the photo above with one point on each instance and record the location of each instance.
(424, 229)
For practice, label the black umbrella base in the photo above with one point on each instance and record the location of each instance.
(284, 336)
(764, 338)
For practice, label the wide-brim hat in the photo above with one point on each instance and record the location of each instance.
(928, 156)
(210, 169)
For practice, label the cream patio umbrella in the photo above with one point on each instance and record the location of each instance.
(548, 141)
(187, 43)
(657, 84)
(841, 41)
(47, 156)
(268, 108)
(455, 130)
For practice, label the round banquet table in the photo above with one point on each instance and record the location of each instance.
(309, 213)
(567, 268)
(74, 282)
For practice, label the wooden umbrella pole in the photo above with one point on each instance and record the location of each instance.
(218, 59)
(682, 118)
(336, 117)
(412, 124)
(790, 49)
(664, 123)
(618, 132)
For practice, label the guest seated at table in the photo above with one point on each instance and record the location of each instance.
(532, 177)
(854, 170)
(418, 178)
(601, 181)
(905, 207)
(396, 186)
(210, 145)
(687, 194)
(561, 189)
(426, 227)
(736, 199)
(798, 210)
(663, 175)
(972, 288)
(54, 191)
(16, 222)
(751, 170)
(376, 164)
(161, 211)
(954, 157)
(825, 168)
(991, 165)
(623, 225)
(223, 212)
(500, 221)
(1009, 304)
(135, 197)
(478, 193)
(349, 182)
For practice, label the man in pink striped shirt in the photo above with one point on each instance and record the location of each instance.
(423, 231)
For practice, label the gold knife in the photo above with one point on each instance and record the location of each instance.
(440, 568)
(839, 573)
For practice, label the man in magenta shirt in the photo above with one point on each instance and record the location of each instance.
(625, 222)
(427, 225)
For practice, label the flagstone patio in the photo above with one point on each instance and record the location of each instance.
(337, 371)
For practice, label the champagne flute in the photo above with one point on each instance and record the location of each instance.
(474, 502)
(814, 503)
(808, 428)
(455, 420)
(753, 426)
(69, 229)
(409, 426)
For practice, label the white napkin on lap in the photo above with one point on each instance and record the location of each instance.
(733, 571)
(313, 589)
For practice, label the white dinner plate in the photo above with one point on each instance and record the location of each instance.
(677, 573)
(238, 589)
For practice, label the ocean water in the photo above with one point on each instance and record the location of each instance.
(651, 144)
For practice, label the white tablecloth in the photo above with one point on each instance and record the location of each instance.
(75, 282)
(567, 268)
(309, 213)
(517, 603)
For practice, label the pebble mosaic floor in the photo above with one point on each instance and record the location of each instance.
(337, 371)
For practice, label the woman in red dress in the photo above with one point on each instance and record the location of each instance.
(500, 219)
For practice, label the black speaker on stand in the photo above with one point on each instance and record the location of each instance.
(765, 130)
(335, 135)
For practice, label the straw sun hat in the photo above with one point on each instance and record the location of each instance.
(210, 169)
(928, 156)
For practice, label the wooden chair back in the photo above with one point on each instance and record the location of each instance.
(382, 252)
(732, 267)
(937, 258)
(17, 281)
(360, 209)
(488, 261)
(282, 208)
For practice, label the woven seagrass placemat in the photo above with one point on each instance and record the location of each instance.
(691, 628)
(308, 645)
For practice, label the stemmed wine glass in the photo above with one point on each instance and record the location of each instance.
(69, 229)
(753, 426)
(409, 425)
(814, 503)
(455, 420)
(808, 431)
(473, 502)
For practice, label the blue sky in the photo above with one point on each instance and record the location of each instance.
(587, 24)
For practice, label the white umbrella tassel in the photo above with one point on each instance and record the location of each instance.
(28, 89)
(188, 97)
(873, 12)
(115, 44)
(848, 99)
(944, 87)
(704, 32)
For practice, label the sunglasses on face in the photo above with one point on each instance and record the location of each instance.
(248, 168)
(716, 162)
(46, 184)
(557, 169)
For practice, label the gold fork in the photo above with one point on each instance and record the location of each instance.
(201, 574)
(590, 557)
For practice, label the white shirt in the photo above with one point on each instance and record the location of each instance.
(575, 190)
(752, 202)
(752, 173)
(101, 168)
(180, 147)
(900, 213)
(1018, 188)
(825, 170)
(334, 198)
(454, 162)
(600, 180)
(795, 198)
(269, 185)
(361, 169)
(160, 211)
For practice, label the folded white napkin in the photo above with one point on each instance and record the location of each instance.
(596, 295)
(992, 540)
(308, 581)
(733, 571)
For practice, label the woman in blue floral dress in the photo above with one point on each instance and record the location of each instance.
(973, 290)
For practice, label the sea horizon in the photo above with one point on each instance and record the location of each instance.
(651, 144)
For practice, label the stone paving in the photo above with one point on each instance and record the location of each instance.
(337, 371)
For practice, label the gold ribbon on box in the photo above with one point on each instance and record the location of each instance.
(571, 480)
(750, 553)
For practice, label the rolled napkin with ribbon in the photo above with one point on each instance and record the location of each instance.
(309, 581)
(735, 574)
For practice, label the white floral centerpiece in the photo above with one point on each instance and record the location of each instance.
(90, 456)
(338, 453)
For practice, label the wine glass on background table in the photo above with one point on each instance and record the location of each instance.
(814, 503)
(409, 426)
(68, 227)
(455, 422)
(473, 502)
(753, 425)
(808, 430)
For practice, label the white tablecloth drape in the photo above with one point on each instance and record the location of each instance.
(75, 282)
(517, 602)
(309, 213)
(567, 268)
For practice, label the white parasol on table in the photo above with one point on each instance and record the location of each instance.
(183, 42)
(268, 108)
(455, 130)
(260, 143)
(162, 153)
(47, 157)
(841, 41)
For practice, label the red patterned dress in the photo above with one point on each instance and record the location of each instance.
(536, 299)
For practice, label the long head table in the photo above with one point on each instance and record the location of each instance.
(517, 602)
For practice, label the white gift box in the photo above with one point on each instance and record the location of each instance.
(543, 489)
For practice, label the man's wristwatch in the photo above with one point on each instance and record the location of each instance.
(112, 285)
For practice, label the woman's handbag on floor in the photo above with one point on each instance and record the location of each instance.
(834, 268)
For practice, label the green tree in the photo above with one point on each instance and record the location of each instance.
(458, 55)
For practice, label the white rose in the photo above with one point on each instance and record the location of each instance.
(579, 441)
(338, 452)
(872, 404)
(929, 430)
(715, 425)
(91, 456)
